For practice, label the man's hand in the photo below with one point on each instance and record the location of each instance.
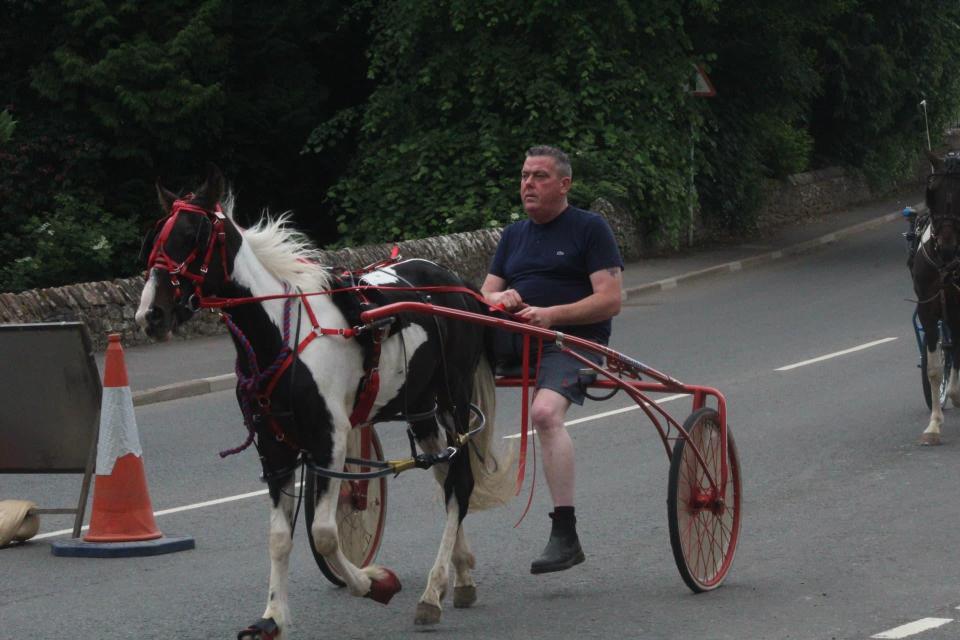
(510, 299)
(537, 316)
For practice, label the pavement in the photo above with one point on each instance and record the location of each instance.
(184, 368)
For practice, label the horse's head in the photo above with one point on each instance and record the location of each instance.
(943, 201)
(191, 253)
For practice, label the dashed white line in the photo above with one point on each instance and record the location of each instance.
(911, 628)
(835, 354)
(606, 414)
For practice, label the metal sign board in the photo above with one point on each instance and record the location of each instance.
(51, 398)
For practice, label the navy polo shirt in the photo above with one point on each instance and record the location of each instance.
(550, 264)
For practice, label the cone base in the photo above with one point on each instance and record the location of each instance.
(79, 548)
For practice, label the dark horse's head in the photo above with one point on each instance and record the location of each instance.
(943, 201)
(191, 251)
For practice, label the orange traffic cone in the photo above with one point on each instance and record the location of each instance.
(121, 503)
(121, 511)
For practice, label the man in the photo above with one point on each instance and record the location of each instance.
(559, 269)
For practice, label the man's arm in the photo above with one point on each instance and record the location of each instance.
(495, 291)
(602, 304)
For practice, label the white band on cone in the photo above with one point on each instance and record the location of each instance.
(118, 429)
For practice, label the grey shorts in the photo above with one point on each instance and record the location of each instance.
(558, 371)
(561, 373)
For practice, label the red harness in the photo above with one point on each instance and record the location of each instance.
(370, 383)
(160, 259)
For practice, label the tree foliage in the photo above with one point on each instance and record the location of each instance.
(397, 118)
(880, 60)
(109, 96)
(462, 88)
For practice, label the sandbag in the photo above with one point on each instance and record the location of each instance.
(17, 524)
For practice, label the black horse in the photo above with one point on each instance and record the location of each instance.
(935, 268)
(306, 378)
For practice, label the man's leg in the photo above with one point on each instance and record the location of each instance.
(563, 549)
(547, 414)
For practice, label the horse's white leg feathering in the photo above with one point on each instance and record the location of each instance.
(953, 390)
(931, 435)
(281, 543)
(326, 538)
(464, 587)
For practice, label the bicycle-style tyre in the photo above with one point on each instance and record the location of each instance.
(361, 507)
(925, 381)
(704, 525)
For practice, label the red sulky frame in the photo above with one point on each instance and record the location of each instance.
(704, 491)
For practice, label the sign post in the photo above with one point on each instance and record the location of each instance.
(702, 88)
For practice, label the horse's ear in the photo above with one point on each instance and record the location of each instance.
(211, 192)
(939, 166)
(167, 198)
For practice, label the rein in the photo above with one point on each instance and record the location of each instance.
(256, 388)
(214, 302)
(259, 386)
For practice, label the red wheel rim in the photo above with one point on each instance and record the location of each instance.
(360, 525)
(708, 519)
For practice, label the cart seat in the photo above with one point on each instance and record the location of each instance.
(515, 370)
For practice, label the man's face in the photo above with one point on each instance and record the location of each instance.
(542, 190)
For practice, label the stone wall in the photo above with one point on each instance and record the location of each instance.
(108, 307)
(806, 195)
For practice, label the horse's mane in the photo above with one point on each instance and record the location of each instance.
(285, 252)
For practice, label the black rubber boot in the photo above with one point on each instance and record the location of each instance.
(563, 549)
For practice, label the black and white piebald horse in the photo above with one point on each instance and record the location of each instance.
(936, 281)
(304, 378)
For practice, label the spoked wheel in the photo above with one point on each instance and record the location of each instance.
(361, 508)
(925, 381)
(704, 523)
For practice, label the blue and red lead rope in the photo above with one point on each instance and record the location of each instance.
(250, 385)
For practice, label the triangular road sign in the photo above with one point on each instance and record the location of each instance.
(702, 87)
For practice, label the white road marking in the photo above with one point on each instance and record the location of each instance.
(262, 492)
(606, 414)
(189, 507)
(911, 628)
(835, 354)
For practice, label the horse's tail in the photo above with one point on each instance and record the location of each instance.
(490, 461)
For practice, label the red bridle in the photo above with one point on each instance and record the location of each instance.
(160, 259)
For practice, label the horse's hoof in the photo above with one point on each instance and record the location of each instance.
(427, 613)
(930, 439)
(381, 590)
(464, 597)
(262, 629)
